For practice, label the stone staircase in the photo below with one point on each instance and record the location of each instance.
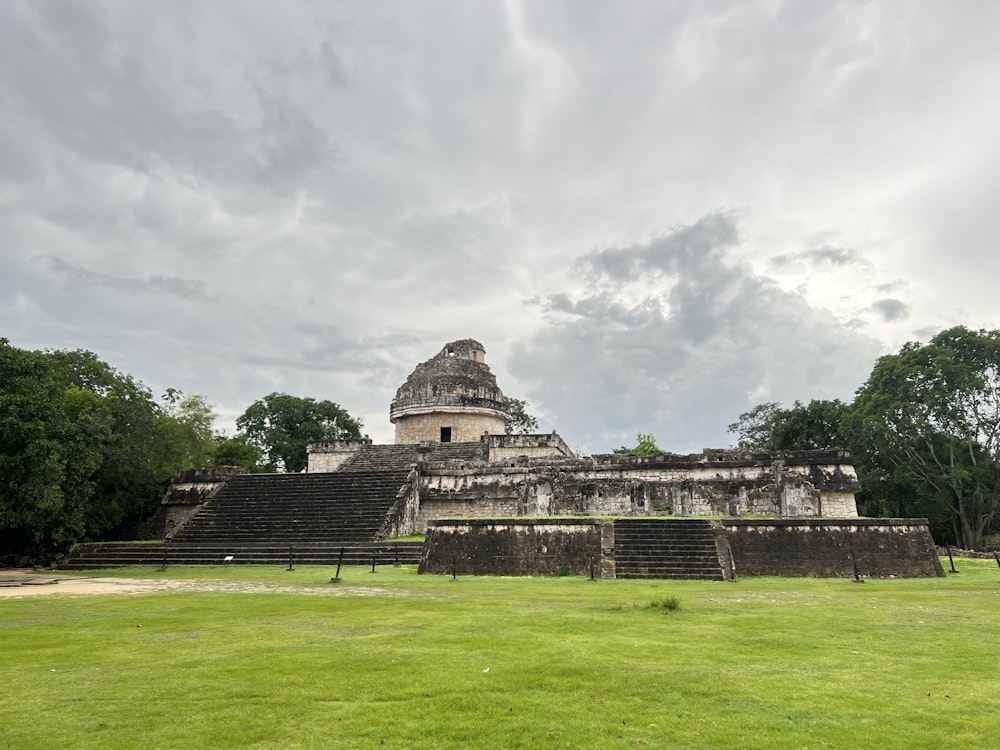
(668, 548)
(131, 554)
(297, 509)
(257, 518)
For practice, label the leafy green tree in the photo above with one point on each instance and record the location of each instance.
(281, 426)
(85, 451)
(755, 428)
(236, 451)
(186, 427)
(812, 426)
(645, 445)
(521, 422)
(928, 420)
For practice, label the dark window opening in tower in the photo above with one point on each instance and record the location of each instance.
(445, 434)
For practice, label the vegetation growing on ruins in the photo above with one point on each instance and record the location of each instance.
(521, 421)
(645, 445)
(269, 658)
(924, 430)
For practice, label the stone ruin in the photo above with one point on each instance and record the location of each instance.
(451, 413)
(490, 502)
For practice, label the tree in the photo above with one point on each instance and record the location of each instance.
(236, 451)
(645, 446)
(928, 419)
(812, 426)
(521, 422)
(281, 426)
(84, 450)
(186, 430)
(755, 428)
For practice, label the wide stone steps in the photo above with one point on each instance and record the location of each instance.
(124, 554)
(349, 506)
(666, 548)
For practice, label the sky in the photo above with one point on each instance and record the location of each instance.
(654, 215)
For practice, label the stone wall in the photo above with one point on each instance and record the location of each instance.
(187, 492)
(330, 455)
(467, 426)
(525, 548)
(401, 520)
(883, 548)
(715, 483)
(503, 448)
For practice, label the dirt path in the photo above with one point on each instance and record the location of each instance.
(20, 583)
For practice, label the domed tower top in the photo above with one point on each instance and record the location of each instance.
(452, 397)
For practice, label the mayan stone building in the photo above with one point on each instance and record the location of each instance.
(493, 503)
(450, 430)
(451, 398)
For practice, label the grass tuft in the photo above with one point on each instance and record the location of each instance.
(666, 604)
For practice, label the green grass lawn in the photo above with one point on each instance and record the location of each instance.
(431, 662)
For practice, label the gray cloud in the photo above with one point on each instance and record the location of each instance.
(891, 309)
(184, 288)
(700, 244)
(356, 183)
(835, 256)
(684, 363)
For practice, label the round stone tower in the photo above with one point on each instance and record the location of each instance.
(451, 398)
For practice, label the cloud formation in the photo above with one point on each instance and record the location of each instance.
(653, 216)
(676, 337)
(75, 275)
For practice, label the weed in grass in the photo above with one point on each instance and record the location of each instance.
(666, 604)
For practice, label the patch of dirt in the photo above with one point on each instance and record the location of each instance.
(20, 583)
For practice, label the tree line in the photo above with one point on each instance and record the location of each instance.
(86, 451)
(924, 430)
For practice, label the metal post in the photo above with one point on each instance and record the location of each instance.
(454, 567)
(340, 561)
(591, 570)
(290, 566)
(952, 562)
(395, 563)
(373, 561)
(163, 565)
(854, 562)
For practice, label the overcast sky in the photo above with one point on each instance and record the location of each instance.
(654, 215)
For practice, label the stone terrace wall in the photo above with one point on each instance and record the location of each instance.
(823, 548)
(714, 483)
(527, 547)
(503, 448)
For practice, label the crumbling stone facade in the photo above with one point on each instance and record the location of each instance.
(184, 498)
(452, 401)
(451, 398)
(794, 484)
